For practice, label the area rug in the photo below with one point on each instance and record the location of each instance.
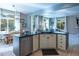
(49, 52)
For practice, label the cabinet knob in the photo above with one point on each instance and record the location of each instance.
(48, 37)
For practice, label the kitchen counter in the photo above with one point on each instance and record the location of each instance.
(43, 33)
(23, 45)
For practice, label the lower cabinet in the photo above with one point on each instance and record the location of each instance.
(52, 41)
(22, 46)
(62, 42)
(47, 41)
(26, 45)
(35, 42)
(43, 41)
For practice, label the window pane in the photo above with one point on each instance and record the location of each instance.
(3, 25)
(60, 24)
(11, 25)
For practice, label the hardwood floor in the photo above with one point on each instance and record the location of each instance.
(37, 53)
(72, 51)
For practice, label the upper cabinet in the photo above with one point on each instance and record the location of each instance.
(60, 24)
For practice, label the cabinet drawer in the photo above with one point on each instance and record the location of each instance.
(63, 36)
(63, 47)
(61, 40)
(61, 43)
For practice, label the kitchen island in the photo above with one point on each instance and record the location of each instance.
(27, 44)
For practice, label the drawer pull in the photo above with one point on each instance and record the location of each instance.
(60, 46)
(48, 37)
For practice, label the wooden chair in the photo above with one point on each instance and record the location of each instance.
(8, 39)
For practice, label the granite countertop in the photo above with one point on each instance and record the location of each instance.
(27, 35)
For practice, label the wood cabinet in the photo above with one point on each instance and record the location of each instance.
(26, 45)
(47, 41)
(22, 46)
(35, 42)
(52, 41)
(43, 41)
(61, 42)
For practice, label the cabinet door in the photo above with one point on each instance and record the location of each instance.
(25, 46)
(43, 41)
(52, 41)
(35, 42)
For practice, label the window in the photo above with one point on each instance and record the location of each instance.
(34, 23)
(51, 24)
(61, 24)
(7, 21)
(3, 25)
(11, 25)
(45, 23)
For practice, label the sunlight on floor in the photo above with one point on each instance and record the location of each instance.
(6, 50)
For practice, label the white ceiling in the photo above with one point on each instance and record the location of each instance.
(25, 8)
(58, 13)
(46, 9)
